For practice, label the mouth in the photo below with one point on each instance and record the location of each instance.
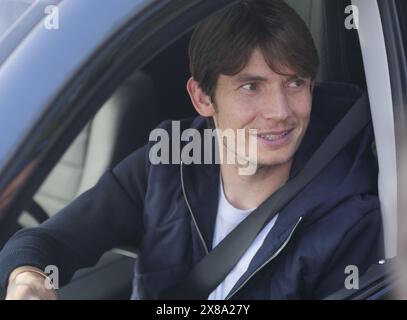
(276, 138)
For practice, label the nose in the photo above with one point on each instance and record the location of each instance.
(276, 106)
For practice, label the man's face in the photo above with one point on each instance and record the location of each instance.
(278, 106)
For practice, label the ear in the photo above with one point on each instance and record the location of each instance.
(201, 101)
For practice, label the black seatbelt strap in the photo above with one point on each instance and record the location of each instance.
(208, 273)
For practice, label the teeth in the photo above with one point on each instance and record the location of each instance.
(274, 137)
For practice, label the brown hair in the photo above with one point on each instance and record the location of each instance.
(223, 42)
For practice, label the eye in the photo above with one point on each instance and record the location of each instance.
(297, 83)
(252, 86)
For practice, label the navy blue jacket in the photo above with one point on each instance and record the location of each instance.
(169, 213)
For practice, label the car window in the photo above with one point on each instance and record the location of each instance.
(112, 134)
(99, 146)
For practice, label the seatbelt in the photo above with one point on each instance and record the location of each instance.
(208, 273)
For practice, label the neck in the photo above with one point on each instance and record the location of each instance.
(247, 192)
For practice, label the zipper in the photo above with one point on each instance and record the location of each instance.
(190, 211)
(267, 261)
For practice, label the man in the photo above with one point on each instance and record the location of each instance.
(253, 66)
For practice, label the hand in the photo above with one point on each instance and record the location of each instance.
(28, 285)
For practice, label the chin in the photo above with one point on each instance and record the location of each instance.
(275, 163)
(275, 160)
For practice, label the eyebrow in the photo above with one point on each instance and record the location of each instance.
(247, 77)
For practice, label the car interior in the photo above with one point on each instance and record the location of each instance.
(149, 96)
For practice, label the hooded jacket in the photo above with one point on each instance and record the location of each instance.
(169, 211)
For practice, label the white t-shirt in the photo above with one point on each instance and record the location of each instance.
(228, 217)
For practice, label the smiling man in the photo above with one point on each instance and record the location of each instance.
(253, 67)
(276, 105)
